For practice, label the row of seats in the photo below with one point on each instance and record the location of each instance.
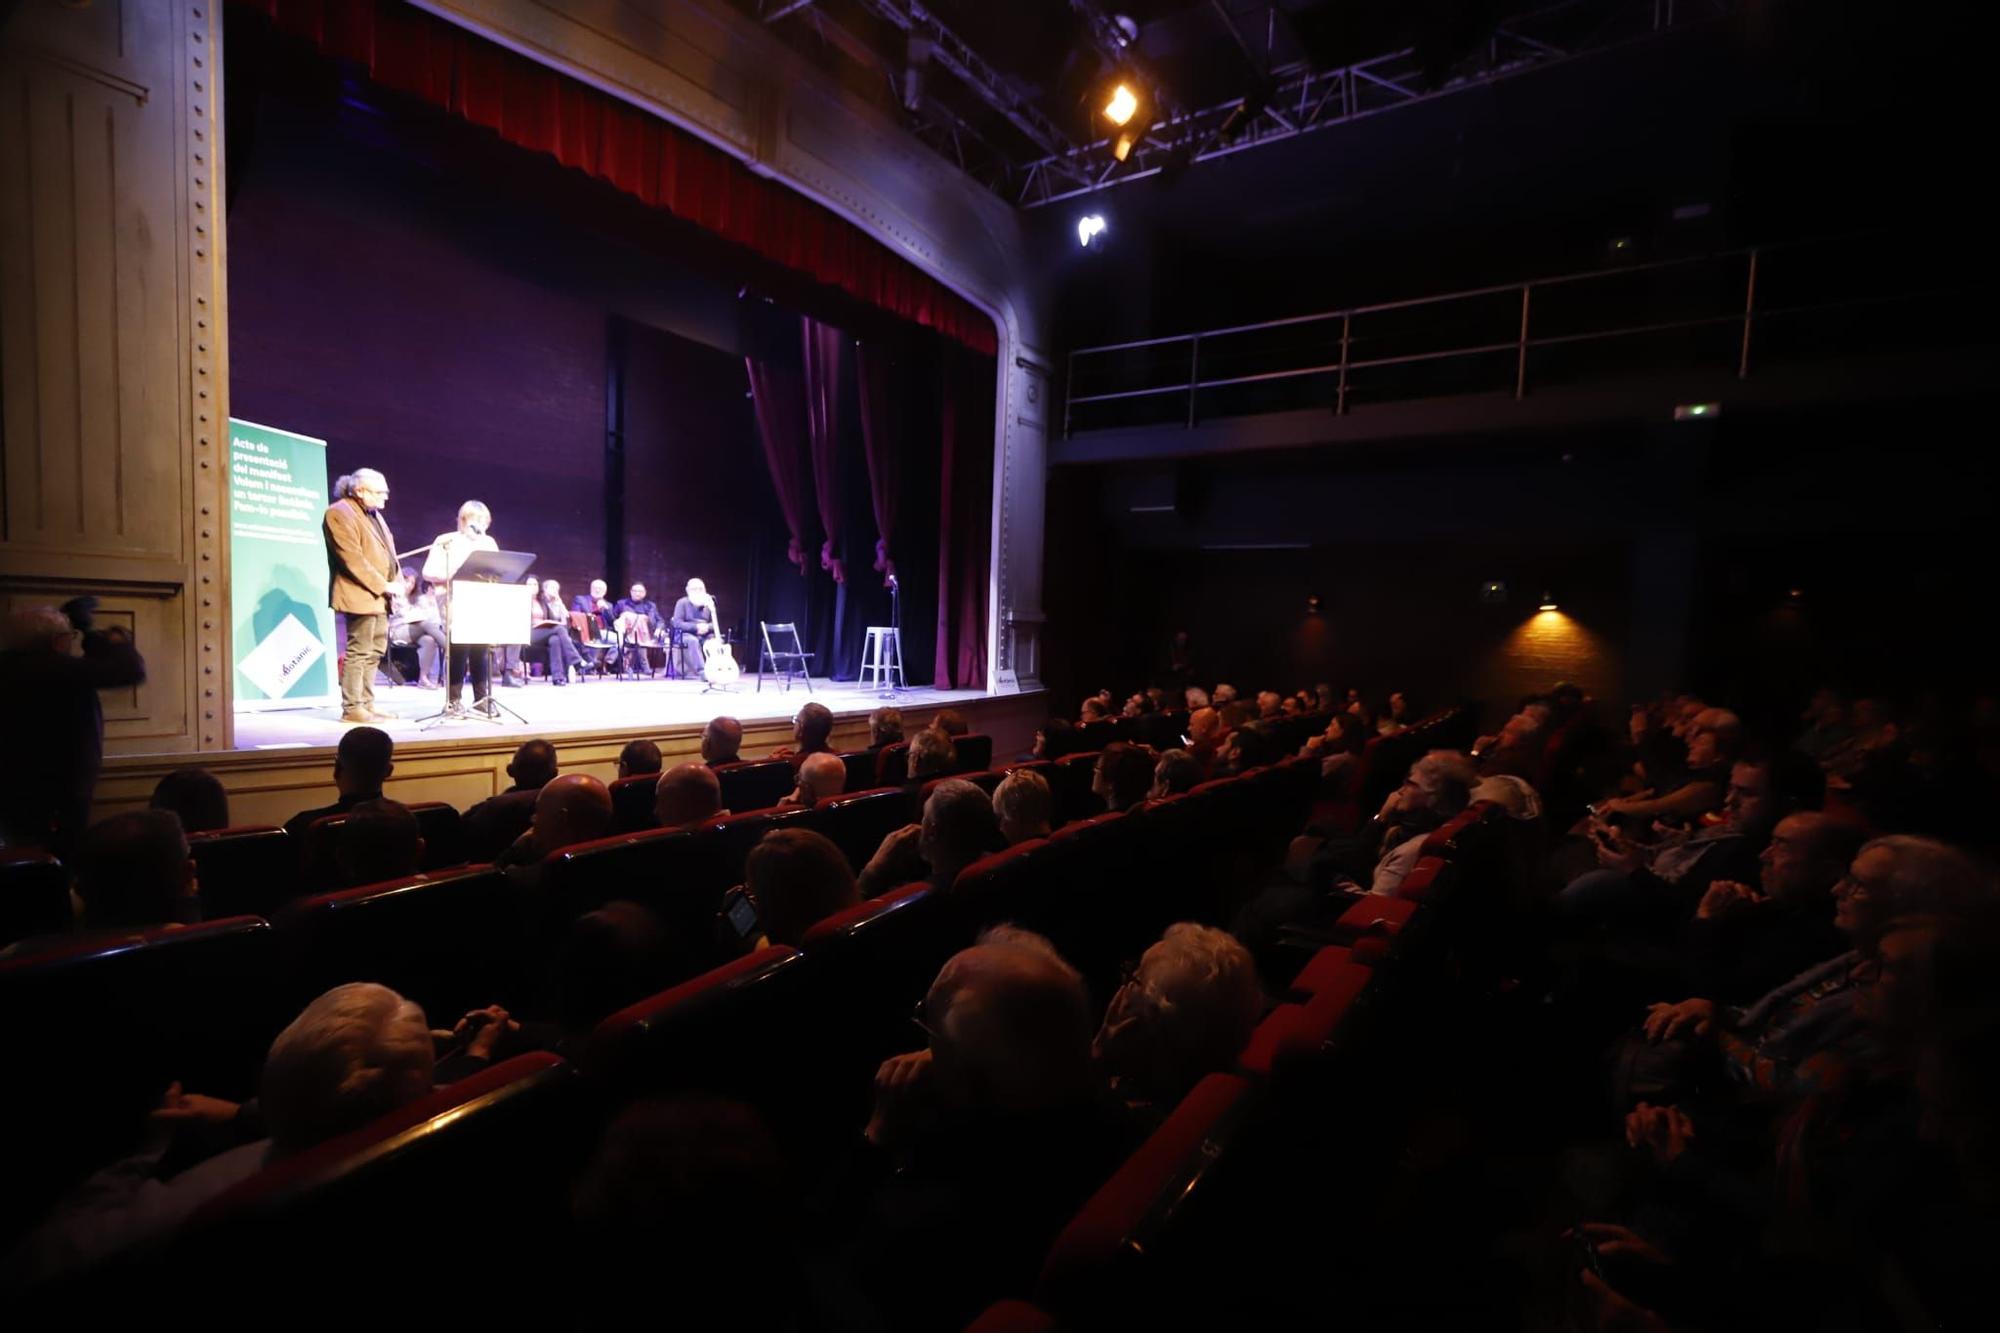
(795, 1032)
(1383, 763)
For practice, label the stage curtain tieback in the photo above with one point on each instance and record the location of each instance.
(884, 566)
(832, 563)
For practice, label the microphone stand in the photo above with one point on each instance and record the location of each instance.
(895, 637)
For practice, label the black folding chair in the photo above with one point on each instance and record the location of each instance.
(794, 661)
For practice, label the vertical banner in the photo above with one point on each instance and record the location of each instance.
(277, 568)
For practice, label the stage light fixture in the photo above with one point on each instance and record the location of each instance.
(1088, 228)
(1696, 411)
(1548, 602)
(1122, 105)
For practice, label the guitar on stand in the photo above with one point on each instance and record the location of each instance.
(719, 668)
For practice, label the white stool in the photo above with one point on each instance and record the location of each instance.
(882, 660)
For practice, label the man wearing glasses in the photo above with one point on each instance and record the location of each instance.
(361, 558)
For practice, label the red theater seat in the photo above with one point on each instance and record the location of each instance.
(860, 769)
(680, 874)
(1293, 1036)
(251, 870)
(444, 838)
(975, 752)
(892, 764)
(1012, 1317)
(1128, 1217)
(1069, 784)
(451, 941)
(756, 784)
(1333, 971)
(1373, 914)
(858, 821)
(34, 896)
(632, 802)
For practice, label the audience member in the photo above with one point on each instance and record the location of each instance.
(1713, 735)
(53, 721)
(638, 759)
(1123, 776)
(1746, 938)
(611, 958)
(1023, 806)
(1196, 698)
(1056, 737)
(1177, 772)
(196, 796)
(885, 727)
(688, 794)
(1187, 1011)
(821, 777)
(567, 810)
(1095, 710)
(797, 878)
(132, 872)
(1205, 736)
(1223, 694)
(380, 841)
(362, 762)
(497, 823)
(1518, 747)
(932, 755)
(952, 723)
(982, 1144)
(1270, 704)
(810, 730)
(721, 741)
(957, 829)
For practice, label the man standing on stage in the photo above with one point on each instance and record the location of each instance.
(694, 620)
(448, 552)
(645, 627)
(362, 558)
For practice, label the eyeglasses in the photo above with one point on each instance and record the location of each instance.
(919, 1016)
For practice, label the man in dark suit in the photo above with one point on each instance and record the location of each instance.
(361, 558)
(363, 762)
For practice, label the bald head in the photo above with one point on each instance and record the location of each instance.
(721, 739)
(570, 809)
(821, 776)
(686, 794)
(1011, 1026)
(1806, 856)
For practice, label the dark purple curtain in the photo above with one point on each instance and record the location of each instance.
(965, 508)
(881, 437)
(822, 392)
(778, 392)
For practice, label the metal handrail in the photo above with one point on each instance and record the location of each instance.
(1521, 345)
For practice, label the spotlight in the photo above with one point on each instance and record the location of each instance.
(1548, 601)
(1088, 228)
(1312, 605)
(1124, 102)
(1696, 411)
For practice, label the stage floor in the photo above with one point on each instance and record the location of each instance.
(636, 707)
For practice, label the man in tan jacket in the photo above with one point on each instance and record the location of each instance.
(361, 555)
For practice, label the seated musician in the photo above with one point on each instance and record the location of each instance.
(638, 620)
(549, 632)
(694, 621)
(590, 615)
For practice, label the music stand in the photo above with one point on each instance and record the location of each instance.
(487, 605)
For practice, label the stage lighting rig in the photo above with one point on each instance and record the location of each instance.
(1088, 228)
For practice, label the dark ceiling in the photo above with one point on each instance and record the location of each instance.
(1000, 87)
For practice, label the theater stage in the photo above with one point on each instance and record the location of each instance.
(283, 761)
(631, 707)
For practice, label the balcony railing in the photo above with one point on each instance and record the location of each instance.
(1736, 311)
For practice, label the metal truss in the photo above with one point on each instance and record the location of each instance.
(1301, 100)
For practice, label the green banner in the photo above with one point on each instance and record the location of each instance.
(277, 568)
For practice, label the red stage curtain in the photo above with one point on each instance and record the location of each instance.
(881, 419)
(778, 394)
(536, 108)
(822, 363)
(965, 515)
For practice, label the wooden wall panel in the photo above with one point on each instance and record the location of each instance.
(111, 379)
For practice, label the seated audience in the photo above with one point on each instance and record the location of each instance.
(1205, 735)
(688, 794)
(1746, 938)
(982, 1144)
(197, 796)
(379, 842)
(1270, 704)
(496, 823)
(797, 878)
(132, 872)
(1714, 735)
(1518, 748)
(885, 727)
(1196, 698)
(957, 829)
(1024, 806)
(1339, 747)
(568, 810)
(1187, 1012)
(362, 762)
(810, 730)
(356, 1053)
(1249, 745)
(1176, 773)
(721, 741)
(932, 755)
(611, 958)
(1095, 710)
(1123, 776)
(1056, 737)
(952, 723)
(821, 776)
(1223, 694)
(1826, 727)
(638, 758)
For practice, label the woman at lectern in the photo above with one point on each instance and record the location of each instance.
(448, 552)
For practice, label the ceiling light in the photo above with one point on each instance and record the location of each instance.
(1124, 102)
(1548, 602)
(1088, 228)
